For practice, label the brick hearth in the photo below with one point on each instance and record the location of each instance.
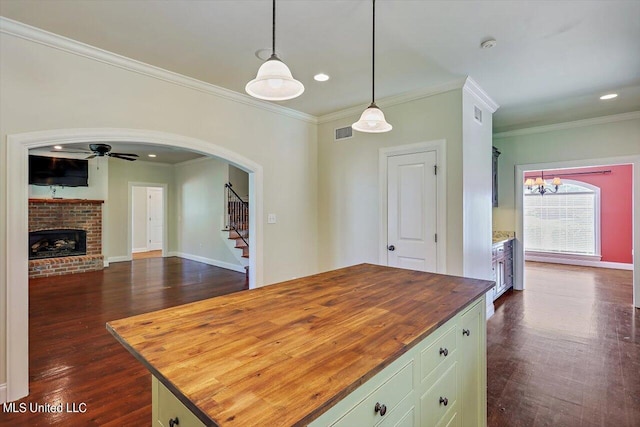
(49, 214)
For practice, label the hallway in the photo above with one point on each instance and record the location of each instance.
(566, 351)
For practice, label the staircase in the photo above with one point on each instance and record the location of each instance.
(237, 220)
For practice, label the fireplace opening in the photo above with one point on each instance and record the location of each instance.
(57, 243)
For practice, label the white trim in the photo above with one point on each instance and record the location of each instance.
(37, 35)
(472, 87)
(439, 146)
(138, 250)
(518, 255)
(559, 255)
(581, 262)
(105, 263)
(3, 392)
(210, 261)
(18, 145)
(490, 307)
(393, 100)
(122, 258)
(570, 125)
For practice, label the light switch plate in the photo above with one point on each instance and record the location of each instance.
(271, 218)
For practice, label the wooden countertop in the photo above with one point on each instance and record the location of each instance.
(284, 354)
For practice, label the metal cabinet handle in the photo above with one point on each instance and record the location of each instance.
(466, 332)
(174, 422)
(391, 248)
(444, 401)
(380, 408)
(444, 351)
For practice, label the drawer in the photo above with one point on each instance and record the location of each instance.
(433, 409)
(403, 415)
(389, 394)
(168, 407)
(440, 351)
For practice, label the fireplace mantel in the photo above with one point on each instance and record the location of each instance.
(67, 201)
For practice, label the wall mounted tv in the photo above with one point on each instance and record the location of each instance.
(58, 171)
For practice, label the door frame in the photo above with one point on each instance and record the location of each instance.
(518, 262)
(439, 146)
(130, 216)
(17, 191)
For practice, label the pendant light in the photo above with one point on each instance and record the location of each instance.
(274, 81)
(372, 120)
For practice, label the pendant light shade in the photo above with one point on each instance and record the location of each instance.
(372, 119)
(274, 81)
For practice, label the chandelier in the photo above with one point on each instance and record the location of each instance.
(539, 185)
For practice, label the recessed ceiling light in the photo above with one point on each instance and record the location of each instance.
(609, 96)
(152, 155)
(58, 147)
(321, 77)
(488, 44)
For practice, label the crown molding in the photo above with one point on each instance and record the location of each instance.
(37, 35)
(570, 125)
(394, 100)
(472, 87)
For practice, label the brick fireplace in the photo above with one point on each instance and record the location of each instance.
(65, 236)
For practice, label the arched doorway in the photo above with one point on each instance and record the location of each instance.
(18, 145)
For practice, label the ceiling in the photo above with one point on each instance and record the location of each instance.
(552, 61)
(164, 154)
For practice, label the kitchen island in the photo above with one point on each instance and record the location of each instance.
(367, 343)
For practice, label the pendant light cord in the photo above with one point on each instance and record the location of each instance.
(373, 57)
(273, 30)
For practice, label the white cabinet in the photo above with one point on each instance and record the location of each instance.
(167, 410)
(439, 382)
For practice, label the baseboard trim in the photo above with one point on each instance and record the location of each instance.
(136, 250)
(214, 262)
(580, 262)
(105, 264)
(490, 310)
(119, 258)
(3, 393)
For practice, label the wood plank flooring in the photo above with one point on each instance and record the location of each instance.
(566, 351)
(74, 360)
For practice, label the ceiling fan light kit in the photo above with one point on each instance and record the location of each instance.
(372, 119)
(274, 81)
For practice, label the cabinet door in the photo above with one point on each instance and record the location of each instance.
(473, 367)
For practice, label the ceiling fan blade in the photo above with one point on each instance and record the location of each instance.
(90, 157)
(119, 156)
(124, 154)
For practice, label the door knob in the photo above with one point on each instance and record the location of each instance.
(391, 248)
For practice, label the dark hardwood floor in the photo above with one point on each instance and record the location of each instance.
(74, 360)
(566, 351)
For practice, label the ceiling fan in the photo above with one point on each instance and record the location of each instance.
(101, 150)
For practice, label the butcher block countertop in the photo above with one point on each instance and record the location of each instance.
(284, 354)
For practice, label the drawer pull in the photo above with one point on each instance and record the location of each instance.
(466, 332)
(174, 422)
(444, 401)
(444, 351)
(380, 408)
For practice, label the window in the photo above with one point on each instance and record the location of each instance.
(566, 222)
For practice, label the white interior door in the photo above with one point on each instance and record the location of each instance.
(155, 215)
(412, 207)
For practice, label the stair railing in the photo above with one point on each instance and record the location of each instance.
(237, 213)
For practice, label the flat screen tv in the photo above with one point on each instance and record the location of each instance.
(58, 171)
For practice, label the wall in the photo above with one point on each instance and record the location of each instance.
(200, 197)
(240, 181)
(616, 208)
(348, 178)
(121, 173)
(47, 88)
(139, 219)
(591, 141)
